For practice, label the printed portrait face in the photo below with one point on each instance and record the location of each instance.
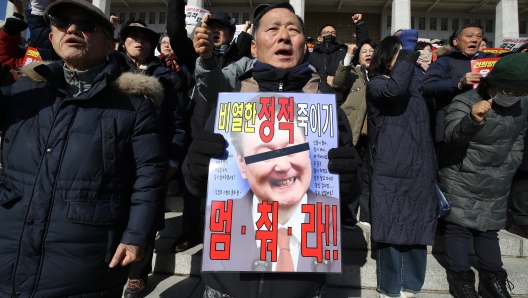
(283, 179)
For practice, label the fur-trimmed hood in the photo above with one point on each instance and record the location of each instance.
(127, 83)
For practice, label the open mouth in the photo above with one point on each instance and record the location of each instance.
(284, 183)
(472, 47)
(368, 60)
(216, 38)
(73, 41)
(283, 52)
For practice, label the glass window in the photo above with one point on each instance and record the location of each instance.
(236, 16)
(489, 26)
(412, 23)
(454, 24)
(522, 27)
(389, 22)
(132, 16)
(122, 17)
(443, 24)
(143, 16)
(421, 23)
(152, 18)
(432, 24)
(466, 21)
(245, 17)
(162, 18)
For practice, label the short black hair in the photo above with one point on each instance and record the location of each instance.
(458, 31)
(256, 21)
(372, 43)
(421, 45)
(485, 39)
(325, 25)
(382, 58)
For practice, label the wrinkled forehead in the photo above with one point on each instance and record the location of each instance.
(279, 16)
(471, 30)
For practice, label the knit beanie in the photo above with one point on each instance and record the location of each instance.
(509, 73)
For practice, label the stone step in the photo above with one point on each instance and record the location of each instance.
(359, 265)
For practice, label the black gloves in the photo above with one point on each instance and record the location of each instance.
(13, 26)
(196, 165)
(345, 161)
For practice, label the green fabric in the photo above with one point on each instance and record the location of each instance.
(80, 81)
(509, 73)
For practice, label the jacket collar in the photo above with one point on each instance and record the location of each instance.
(126, 83)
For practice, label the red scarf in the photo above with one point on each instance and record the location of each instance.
(170, 62)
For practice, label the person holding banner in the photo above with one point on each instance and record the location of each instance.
(451, 74)
(484, 141)
(403, 166)
(280, 47)
(11, 51)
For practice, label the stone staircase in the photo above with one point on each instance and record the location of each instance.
(359, 266)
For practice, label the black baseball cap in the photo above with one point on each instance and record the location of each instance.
(139, 26)
(224, 19)
(83, 5)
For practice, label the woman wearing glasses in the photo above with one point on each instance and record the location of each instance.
(351, 76)
(483, 148)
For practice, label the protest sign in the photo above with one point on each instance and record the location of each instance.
(32, 55)
(483, 66)
(496, 51)
(194, 14)
(513, 43)
(273, 189)
(239, 28)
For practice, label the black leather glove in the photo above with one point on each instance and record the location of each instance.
(345, 161)
(13, 26)
(196, 165)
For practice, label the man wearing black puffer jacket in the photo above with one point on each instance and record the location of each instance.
(84, 165)
(281, 67)
(451, 75)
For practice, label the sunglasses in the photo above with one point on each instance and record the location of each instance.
(85, 26)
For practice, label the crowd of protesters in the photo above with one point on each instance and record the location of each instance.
(91, 137)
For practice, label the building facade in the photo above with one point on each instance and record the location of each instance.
(434, 18)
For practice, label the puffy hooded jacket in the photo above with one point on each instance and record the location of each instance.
(478, 161)
(80, 175)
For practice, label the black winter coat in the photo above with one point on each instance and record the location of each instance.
(402, 160)
(441, 84)
(80, 176)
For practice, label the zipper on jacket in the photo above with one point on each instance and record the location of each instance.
(280, 85)
(261, 286)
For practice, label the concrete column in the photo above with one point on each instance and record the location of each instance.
(298, 5)
(103, 5)
(506, 20)
(383, 25)
(401, 15)
(199, 3)
(9, 10)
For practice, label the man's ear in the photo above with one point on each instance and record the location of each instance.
(254, 49)
(50, 36)
(455, 41)
(241, 166)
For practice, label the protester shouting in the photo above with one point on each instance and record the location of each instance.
(272, 68)
(84, 165)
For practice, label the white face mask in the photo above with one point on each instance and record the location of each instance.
(505, 100)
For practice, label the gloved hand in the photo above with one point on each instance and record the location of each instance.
(13, 26)
(196, 165)
(343, 161)
(408, 39)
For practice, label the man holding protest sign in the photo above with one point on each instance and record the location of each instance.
(451, 74)
(279, 46)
